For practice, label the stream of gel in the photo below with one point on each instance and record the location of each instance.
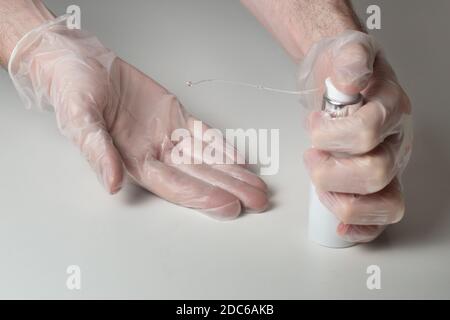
(250, 85)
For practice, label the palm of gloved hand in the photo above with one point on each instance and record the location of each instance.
(141, 124)
(122, 121)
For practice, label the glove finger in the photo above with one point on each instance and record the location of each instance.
(243, 174)
(104, 158)
(251, 197)
(184, 153)
(381, 208)
(214, 141)
(169, 183)
(352, 63)
(82, 124)
(359, 234)
(360, 174)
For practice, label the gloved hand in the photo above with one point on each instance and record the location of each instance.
(122, 121)
(356, 162)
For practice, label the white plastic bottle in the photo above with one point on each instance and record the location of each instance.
(323, 223)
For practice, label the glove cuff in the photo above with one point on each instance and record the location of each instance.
(16, 65)
(53, 38)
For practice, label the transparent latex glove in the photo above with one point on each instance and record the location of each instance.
(123, 121)
(356, 162)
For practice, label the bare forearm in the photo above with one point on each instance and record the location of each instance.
(17, 17)
(297, 24)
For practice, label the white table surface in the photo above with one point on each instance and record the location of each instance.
(53, 213)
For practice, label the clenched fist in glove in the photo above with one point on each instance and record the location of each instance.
(356, 162)
(122, 121)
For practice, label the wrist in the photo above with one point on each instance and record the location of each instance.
(305, 43)
(17, 18)
(298, 24)
(332, 22)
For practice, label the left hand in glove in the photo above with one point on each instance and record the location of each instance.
(122, 121)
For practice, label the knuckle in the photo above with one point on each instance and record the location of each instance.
(368, 139)
(378, 173)
(77, 109)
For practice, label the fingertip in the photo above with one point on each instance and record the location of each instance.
(228, 211)
(351, 86)
(262, 185)
(112, 175)
(342, 229)
(352, 68)
(115, 185)
(359, 233)
(258, 202)
(252, 179)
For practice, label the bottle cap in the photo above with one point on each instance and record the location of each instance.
(334, 94)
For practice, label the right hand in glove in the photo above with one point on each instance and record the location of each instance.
(122, 121)
(356, 162)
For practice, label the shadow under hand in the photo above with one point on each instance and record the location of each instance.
(134, 195)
